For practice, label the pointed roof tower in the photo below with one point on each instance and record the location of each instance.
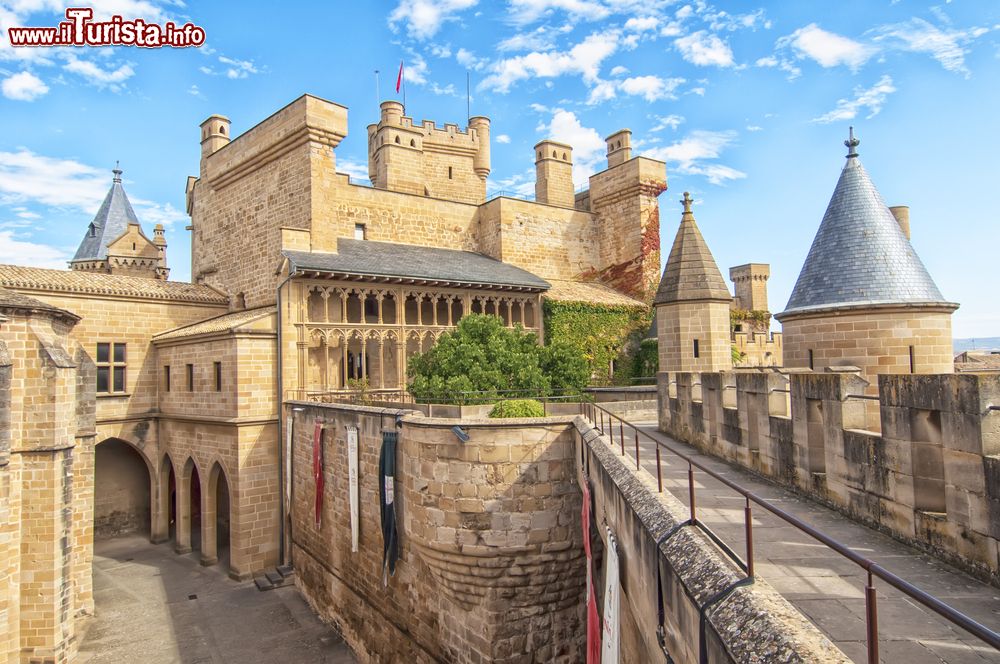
(691, 273)
(110, 223)
(860, 256)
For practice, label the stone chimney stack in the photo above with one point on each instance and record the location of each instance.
(214, 134)
(619, 147)
(162, 271)
(902, 215)
(554, 174)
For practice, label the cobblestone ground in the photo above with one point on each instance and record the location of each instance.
(156, 607)
(825, 586)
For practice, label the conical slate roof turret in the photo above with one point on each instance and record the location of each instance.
(111, 222)
(859, 255)
(691, 273)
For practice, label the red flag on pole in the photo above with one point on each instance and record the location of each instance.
(318, 471)
(399, 78)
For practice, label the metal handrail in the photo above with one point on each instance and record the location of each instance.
(597, 414)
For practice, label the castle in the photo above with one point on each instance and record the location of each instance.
(172, 420)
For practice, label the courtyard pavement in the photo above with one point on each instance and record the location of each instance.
(825, 586)
(157, 607)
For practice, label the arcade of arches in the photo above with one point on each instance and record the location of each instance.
(190, 506)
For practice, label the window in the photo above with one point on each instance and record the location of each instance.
(811, 359)
(190, 377)
(218, 376)
(912, 361)
(359, 231)
(449, 172)
(110, 368)
(166, 378)
(696, 349)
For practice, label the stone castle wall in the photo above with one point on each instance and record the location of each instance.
(930, 478)
(490, 566)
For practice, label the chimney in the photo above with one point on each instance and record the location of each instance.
(619, 147)
(554, 174)
(902, 215)
(162, 271)
(214, 134)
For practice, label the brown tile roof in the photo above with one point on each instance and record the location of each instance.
(74, 281)
(223, 323)
(970, 361)
(589, 291)
(11, 300)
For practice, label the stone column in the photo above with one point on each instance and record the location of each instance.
(209, 537)
(160, 506)
(182, 528)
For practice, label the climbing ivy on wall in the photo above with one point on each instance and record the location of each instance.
(737, 316)
(600, 332)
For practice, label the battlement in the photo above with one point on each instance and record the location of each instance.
(926, 469)
(448, 162)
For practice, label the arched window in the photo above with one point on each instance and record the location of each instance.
(397, 140)
(222, 130)
(413, 143)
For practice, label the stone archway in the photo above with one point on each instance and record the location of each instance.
(216, 518)
(165, 519)
(189, 508)
(123, 480)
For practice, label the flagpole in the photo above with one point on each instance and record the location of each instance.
(378, 91)
(468, 97)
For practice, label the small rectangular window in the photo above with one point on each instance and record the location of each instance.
(359, 231)
(111, 364)
(218, 376)
(190, 377)
(449, 172)
(811, 360)
(696, 349)
(166, 378)
(913, 363)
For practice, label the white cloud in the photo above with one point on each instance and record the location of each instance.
(619, 71)
(238, 68)
(672, 29)
(588, 146)
(23, 86)
(31, 254)
(872, 99)
(782, 64)
(690, 154)
(355, 169)
(469, 60)
(724, 21)
(424, 18)
(536, 40)
(754, 128)
(584, 59)
(666, 121)
(602, 91)
(919, 36)
(704, 48)
(828, 49)
(194, 91)
(643, 24)
(503, 138)
(114, 79)
(441, 50)
(523, 12)
(651, 88)
(684, 12)
(414, 70)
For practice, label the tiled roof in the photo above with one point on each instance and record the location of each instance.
(73, 281)
(11, 300)
(859, 255)
(591, 292)
(112, 219)
(387, 261)
(691, 272)
(223, 323)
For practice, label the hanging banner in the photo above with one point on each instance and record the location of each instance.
(387, 499)
(610, 635)
(352, 474)
(318, 471)
(593, 620)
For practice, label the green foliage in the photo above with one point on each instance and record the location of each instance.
(737, 355)
(518, 408)
(483, 356)
(737, 316)
(359, 387)
(641, 361)
(597, 332)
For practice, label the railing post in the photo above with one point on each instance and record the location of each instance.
(659, 476)
(636, 448)
(694, 518)
(871, 620)
(748, 519)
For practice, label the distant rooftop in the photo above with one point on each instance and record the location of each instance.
(859, 255)
(74, 281)
(111, 221)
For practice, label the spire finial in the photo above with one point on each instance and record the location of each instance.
(118, 173)
(852, 144)
(687, 201)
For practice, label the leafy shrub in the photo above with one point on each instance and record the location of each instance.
(483, 356)
(518, 408)
(600, 333)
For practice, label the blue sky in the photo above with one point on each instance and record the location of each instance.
(747, 103)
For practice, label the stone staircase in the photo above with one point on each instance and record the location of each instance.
(276, 578)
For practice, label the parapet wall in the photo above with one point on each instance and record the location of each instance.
(930, 478)
(491, 553)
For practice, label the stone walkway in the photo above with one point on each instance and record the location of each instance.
(156, 607)
(823, 585)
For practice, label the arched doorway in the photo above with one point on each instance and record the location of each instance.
(122, 482)
(217, 518)
(165, 522)
(195, 497)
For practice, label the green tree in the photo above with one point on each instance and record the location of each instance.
(481, 355)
